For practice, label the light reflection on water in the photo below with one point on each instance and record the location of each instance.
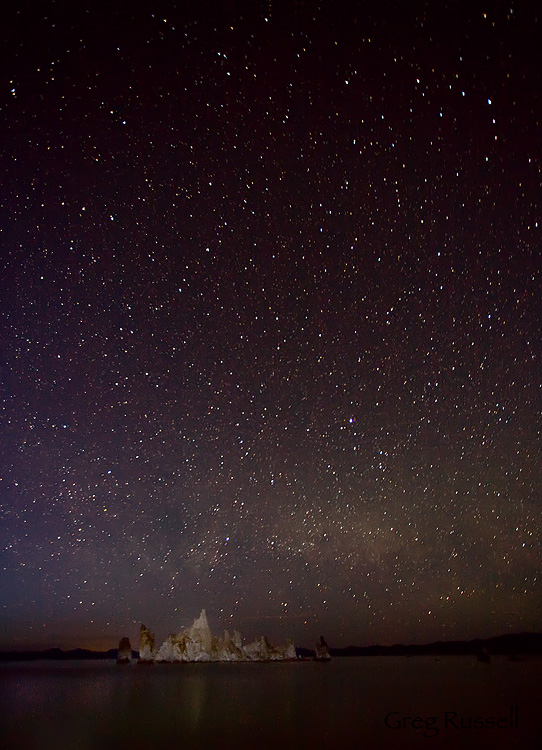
(280, 705)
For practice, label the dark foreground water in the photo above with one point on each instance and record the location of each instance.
(348, 703)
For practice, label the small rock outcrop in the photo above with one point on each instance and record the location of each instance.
(124, 655)
(322, 651)
(483, 655)
(146, 646)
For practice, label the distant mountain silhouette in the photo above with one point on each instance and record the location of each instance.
(56, 654)
(511, 644)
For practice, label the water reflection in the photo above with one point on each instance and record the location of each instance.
(99, 705)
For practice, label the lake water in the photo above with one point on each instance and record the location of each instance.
(347, 703)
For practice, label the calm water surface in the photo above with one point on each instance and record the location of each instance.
(343, 704)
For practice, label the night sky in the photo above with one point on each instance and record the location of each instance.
(270, 320)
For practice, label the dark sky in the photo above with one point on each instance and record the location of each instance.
(270, 320)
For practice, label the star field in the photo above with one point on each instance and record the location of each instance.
(270, 320)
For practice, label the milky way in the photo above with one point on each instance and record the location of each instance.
(270, 311)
